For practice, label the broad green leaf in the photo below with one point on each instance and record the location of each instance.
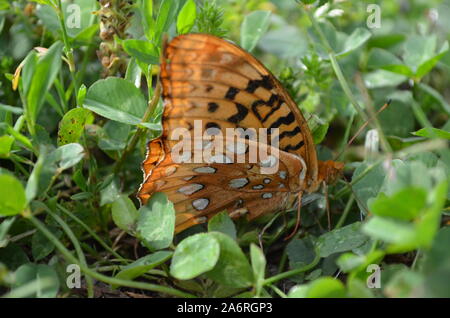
(405, 204)
(300, 252)
(143, 51)
(391, 231)
(232, 268)
(426, 66)
(194, 256)
(109, 190)
(67, 156)
(116, 99)
(358, 37)
(435, 132)
(186, 17)
(254, 26)
(43, 75)
(381, 78)
(358, 289)
(72, 125)
(221, 222)
(340, 240)
(12, 196)
(156, 221)
(44, 275)
(114, 137)
(143, 265)
(13, 256)
(41, 246)
(285, 42)
(124, 214)
(370, 180)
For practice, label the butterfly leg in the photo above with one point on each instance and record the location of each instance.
(297, 223)
(327, 205)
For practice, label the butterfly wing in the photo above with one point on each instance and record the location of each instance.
(219, 85)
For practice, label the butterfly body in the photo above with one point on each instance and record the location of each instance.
(211, 87)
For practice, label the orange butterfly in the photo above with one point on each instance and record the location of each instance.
(213, 82)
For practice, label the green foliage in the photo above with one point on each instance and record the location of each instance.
(72, 141)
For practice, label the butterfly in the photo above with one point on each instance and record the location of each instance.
(210, 83)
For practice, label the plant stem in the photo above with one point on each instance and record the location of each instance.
(293, 272)
(345, 213)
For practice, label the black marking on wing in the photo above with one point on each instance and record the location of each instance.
(242, 111)
(264, 82)
(296, 147)
(290, 133)
(286, 120)
(212, 107)
(231, 93)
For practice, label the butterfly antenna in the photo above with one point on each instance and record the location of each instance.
(297, 222)
(362, 128)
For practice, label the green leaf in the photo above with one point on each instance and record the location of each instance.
(72, 125)
(156, 221)
(143, 265)
(41, 246)
(369, 183)
(258, 265)
(340, 240)
(324, 287)
(109, 190)
(221, 222)
(186, 17)
(13, 256)
(300, 252)
(358, 37)
(143, 51)
(437, 265)
(432, 132)
(67, 156)
(194, 256)
(426, 66)
(390, 230)
(116, 99)
(382, 78)
(12, 200)
(232, 268)
(42, 78)
(6, 143)
(383, 59)
(320, 132)
(146, 9)
(43, 275)
(124, 214)
(166, 15)
(254, 26)
(405, 204)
